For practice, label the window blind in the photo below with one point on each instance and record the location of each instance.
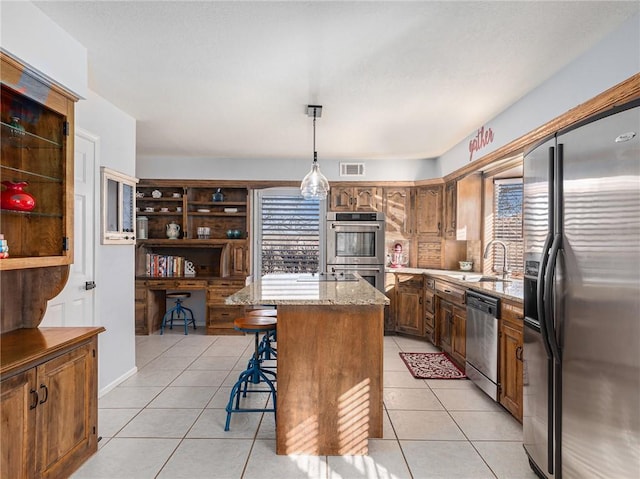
(290, 239)
(507, 224)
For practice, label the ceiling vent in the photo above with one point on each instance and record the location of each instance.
(351, 169)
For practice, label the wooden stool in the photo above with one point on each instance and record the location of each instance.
(179, 311)
(266, 349)
(254, 373)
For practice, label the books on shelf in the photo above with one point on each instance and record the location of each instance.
(159, 265)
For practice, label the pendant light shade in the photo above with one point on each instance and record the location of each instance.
(314, 186)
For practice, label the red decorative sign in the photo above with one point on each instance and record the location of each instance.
(482, 139)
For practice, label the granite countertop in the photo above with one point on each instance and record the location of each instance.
(307, 289)
(512, 290)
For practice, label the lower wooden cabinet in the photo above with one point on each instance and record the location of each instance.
(49, 411)
(409, 304)
(459, 336)
(451, 321)
(220, 316)
(511, 365)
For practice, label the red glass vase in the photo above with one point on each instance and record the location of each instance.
(14, 198)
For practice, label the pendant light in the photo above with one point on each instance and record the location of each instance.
(314, 186)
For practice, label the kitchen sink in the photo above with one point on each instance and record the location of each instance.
(476, 277)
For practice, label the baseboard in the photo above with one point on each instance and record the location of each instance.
(119, 380)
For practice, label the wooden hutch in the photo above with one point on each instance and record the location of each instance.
(48, 376)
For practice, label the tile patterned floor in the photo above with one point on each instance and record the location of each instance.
(167, 421)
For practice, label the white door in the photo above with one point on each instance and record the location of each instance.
(74, 306)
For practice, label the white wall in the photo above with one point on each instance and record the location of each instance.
(115, 264)
(610, 62)
(283, 170)
(32, 37)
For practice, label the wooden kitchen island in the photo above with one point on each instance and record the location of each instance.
(330, 352)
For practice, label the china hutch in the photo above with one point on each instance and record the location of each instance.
(48, 376)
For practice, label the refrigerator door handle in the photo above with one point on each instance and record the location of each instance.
(540, 295)
(548, 298)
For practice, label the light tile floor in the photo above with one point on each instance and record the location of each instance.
(167, 421)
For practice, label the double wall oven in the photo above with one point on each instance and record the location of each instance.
(355, 244)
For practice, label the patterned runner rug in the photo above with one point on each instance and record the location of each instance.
(431, 366)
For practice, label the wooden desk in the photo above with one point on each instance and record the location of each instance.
(330, 353)
(151, 301)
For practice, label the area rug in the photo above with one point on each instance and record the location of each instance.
(431, 366)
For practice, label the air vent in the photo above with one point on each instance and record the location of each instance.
(351, 169)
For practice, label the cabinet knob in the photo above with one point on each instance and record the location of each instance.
(519, 353)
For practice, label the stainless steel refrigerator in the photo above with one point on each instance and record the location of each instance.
(581, 415)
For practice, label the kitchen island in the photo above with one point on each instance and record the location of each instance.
(330, 352)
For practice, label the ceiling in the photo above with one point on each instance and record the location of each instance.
(397, 80)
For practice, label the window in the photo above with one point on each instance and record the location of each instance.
(118, 207)
(289, 232)
(507, 224)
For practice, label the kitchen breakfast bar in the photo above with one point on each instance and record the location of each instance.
(330, 352)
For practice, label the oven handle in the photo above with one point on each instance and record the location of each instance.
(359, 225)
(356, 268)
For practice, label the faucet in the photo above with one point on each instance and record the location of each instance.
(505, 271)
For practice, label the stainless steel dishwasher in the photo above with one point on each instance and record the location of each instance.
(482, 342)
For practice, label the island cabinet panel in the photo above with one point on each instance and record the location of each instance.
(329, 378)
(429, 310)
(510, 359)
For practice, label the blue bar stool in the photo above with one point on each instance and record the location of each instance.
(255, 373)
(179, 311)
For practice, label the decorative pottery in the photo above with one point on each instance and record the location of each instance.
(230, 234)
(173, 230)
(18, 129)
(156, 194)
(14, 198)
(466, 265)
(218, 196)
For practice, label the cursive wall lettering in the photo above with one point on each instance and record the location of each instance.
(482, 139)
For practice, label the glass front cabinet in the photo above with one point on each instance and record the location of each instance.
(36, 171)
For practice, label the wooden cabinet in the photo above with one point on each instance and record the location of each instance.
(37, 154)
(410, 304)
(191, 205)
(355, 198)
(449, 211)
(36, 148)
(429, 310)
(390, 310)
(397, 210)
(428, 216)
(510, 359)
(463, 208)
(451, 321)
(49, 401)
(459, 335)
(219, 315)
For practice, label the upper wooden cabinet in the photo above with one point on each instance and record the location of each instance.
(37, 157)
(429, 210)
(463, 208)
(355, 198)
(397, 210)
